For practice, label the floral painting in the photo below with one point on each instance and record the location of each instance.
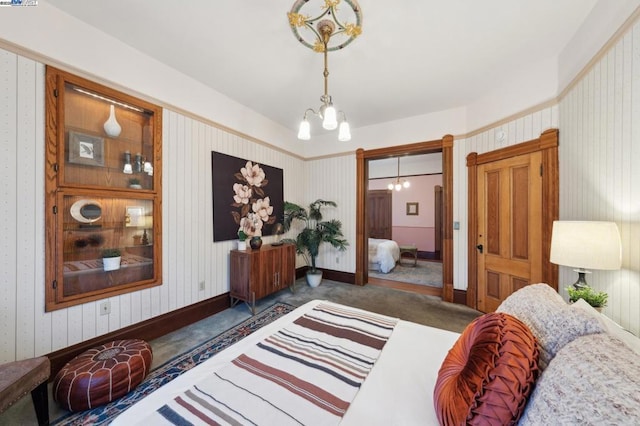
(247, 196)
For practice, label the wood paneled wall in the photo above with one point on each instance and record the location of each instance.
(334, 179)
(522, 129)
(189, 254)
(599, 167)
(599, 154)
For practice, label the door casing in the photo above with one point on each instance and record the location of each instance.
(547, 144)
(444, 145)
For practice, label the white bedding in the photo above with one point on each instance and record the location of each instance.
(398, 390)
(383, 254)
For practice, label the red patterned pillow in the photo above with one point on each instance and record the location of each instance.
(488, 374)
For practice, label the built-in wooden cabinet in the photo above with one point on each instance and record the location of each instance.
(258, 273)
(103, 174)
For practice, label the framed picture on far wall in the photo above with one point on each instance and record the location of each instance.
(412, 209)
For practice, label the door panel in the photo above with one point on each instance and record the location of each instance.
(379, 211)
(509, 227)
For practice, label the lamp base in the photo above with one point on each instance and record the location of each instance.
(582, 282)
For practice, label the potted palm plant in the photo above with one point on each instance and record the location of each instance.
(313, 234)
(111, 259)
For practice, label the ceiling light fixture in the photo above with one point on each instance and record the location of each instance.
(323, 33)
(397, 185)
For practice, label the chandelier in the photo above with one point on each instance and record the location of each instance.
(397, 185)
(329, 31)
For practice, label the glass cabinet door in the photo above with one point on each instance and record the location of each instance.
(108, 142)
(103, 195)
(106, 243)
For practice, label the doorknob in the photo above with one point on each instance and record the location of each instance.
(480, 248)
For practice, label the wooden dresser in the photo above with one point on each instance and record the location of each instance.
(258, 273)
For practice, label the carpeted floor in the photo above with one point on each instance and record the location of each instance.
(163, 374)
(424, 273)
(422, 309)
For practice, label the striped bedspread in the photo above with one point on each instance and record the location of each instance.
(306, 373)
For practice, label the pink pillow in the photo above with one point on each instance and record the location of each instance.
(488, 374)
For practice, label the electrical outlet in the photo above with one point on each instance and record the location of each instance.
(105, 308)
(201, 285)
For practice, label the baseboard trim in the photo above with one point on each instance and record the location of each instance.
(145, 330)
(329, 274)
(460, 296)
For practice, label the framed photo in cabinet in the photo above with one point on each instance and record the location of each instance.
(86, 149)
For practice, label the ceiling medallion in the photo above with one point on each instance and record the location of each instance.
(346, 21)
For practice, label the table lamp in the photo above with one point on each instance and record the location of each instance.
(586, 245)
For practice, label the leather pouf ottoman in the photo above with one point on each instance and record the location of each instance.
(102, 374)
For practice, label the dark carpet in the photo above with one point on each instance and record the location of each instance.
(173, 368)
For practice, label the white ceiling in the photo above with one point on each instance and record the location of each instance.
(413, 57)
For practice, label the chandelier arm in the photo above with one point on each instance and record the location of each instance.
(310, 110)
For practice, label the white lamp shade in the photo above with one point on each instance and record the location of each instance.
(127, 169)
(398, 187)
(406, 184)
(344, 132)
(390, 187)
(329, 121)
(587, 245)
(304, 133)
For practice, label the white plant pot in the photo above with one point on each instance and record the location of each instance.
(111, 263)
(242, 245)
(314, 279)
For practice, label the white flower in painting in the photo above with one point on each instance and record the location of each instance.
(243, 193)
(253, 173)
(263, 209)
(251, 225)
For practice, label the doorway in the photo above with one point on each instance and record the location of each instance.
(445, 146)
(513, 201)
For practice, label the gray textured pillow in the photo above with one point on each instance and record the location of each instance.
(594, 380)
(549, 318)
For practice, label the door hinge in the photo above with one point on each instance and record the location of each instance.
(540, 169)
(55, 209)
(55, 284)
(55, 92)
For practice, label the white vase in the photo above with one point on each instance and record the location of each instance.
(111, 263)
(242, 245)
(313, 279)
(111, 126)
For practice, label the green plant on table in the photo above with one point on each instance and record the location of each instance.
(597, 299)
